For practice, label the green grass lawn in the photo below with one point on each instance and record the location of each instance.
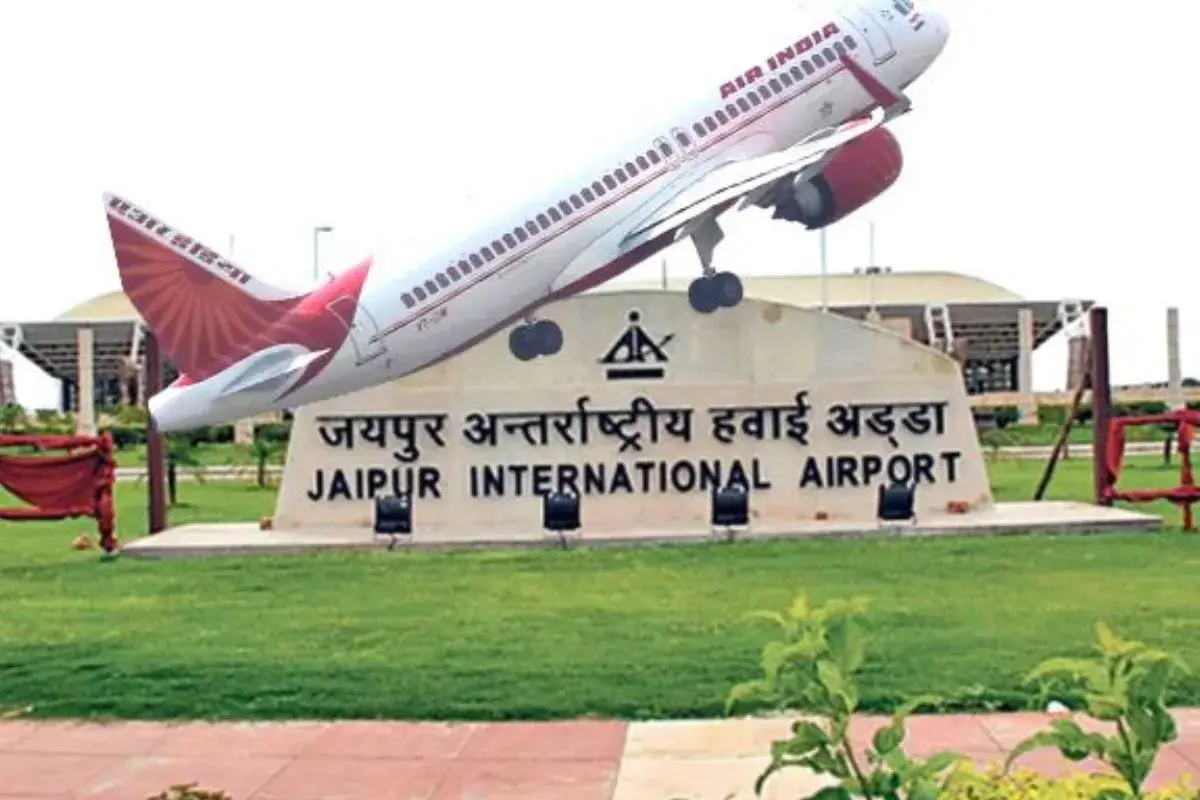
(626, 632)
(209, 455)
(1046, 434)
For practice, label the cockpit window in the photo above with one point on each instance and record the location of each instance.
(905, 7)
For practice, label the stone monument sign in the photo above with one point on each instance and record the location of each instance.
(646, 409)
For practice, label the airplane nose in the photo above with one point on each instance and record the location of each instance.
(937, 21)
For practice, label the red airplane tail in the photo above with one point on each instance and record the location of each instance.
(205, 310)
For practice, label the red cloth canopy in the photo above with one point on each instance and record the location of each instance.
(75, 484)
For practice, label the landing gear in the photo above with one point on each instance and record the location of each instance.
(719, 290)
(714, 289)
(533, 338)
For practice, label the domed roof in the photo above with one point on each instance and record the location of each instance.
(844, 289)
(108, 307)
(854, 289)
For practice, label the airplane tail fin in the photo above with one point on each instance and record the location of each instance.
(204, 308)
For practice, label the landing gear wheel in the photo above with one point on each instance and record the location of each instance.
(535, 338)
(523, 343)
(728, 289)
(549, 337)
(702, 296)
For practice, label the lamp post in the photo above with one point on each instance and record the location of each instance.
(824, 273)
(317, 231)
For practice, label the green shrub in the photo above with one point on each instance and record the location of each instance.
(129, 429)
(208, 434)
(1056, 415)
(274, 432)
(1127, 685)
(48, 422)
(966, 782)
(12, 418)
(129, 415)
(812, 667)
(1007, 415)
(969, 783)
(131, 435)
(127, 435)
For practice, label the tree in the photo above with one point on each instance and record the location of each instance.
(11, 417)
(263, 451)
(181, 452)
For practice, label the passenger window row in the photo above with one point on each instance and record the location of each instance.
(564, 210)
(779, 84)
(652, 158)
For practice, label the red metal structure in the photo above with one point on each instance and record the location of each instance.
(156, 469)
(77, 483)
(1185, 494)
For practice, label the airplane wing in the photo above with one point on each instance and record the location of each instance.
(748, 181)
(271, 368)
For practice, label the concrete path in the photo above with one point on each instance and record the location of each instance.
(703, 760)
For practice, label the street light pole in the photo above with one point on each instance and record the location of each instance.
(317, 231)
(824, 273)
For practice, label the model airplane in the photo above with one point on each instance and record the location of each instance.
(800, 133)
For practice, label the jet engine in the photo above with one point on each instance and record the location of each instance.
(861, 170)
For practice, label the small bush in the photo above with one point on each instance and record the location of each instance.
(1125, 684)
(129, 415)
(971, 783)
(208, 434)
(1007, 415)
(274, 432)
(127, 435)
(812, 668)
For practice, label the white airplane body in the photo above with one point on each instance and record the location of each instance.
(801, 132)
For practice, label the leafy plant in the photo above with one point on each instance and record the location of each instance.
(12, 417)
(49, 422)
(813, 667)
(994, 783)
(130, 415)
(188, 791)
(263, 450)
(180, 452)
(1126, 685)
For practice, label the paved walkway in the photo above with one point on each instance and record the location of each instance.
(430, 761)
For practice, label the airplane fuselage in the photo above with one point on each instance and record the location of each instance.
(574, 237)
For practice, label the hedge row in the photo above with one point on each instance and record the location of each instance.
(1005, 416)
(1055, 415)
(275, 432)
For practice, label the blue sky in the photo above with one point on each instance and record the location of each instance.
(1042, 154)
